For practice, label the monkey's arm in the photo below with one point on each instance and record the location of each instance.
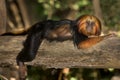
(91, 41)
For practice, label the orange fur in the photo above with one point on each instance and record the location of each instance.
(89, 42)
(82, 25)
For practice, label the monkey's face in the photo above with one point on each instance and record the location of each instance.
(89, 25)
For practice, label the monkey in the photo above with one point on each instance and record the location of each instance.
(79, 31)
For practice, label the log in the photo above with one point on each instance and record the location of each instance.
(105, 54)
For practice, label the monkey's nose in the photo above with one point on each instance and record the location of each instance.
(89, 29)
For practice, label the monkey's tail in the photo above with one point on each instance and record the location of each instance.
(16, 32)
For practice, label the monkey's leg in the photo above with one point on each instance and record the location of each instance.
(31, 46)
(91, 41)
(29, 50)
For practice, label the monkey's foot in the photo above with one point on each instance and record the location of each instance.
(22, 71)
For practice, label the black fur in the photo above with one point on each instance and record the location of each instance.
(78, 37)
(37, 33)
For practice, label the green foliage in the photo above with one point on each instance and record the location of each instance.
(111, 12)
(61, 8)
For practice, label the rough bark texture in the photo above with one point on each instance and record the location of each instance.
(3, 16)
(63, 54)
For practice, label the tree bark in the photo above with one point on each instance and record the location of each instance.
(97, 10)
(3, 17)
(63, 54)
(24, 13)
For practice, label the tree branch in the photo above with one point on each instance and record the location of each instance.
(63, 54)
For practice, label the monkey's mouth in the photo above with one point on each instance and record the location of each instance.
(90, 34)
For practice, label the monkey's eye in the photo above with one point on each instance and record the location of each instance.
(89, 23)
